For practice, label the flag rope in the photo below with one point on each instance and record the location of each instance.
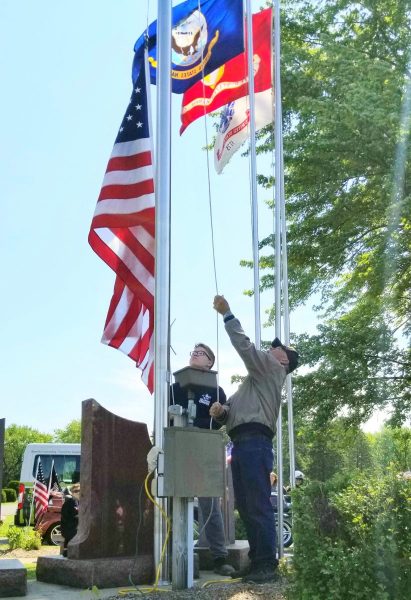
(210, 209)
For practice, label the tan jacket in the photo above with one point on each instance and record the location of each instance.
(258, 398)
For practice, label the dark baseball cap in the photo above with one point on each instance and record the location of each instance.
(290, 352)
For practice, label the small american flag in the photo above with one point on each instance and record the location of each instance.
(53, 481)
(40, 493)
(122, 234)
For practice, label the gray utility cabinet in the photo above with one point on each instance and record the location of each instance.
(194, 462)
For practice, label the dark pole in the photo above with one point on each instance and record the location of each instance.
(2, 430)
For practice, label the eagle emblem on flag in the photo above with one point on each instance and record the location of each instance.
(189, 39)
(205, 34)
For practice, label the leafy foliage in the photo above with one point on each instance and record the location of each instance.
(346, 106)
(24, 537)
(10, 494)
(14, 484)
(338, 447)
(5, 524)
(16, 439)
(71, 434)
(391, 446)
(351, 540)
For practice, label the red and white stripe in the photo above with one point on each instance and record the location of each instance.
(41, 498)
(122, 234)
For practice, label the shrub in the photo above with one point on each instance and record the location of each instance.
(351, 540)
(14, 484)
(23, 537)
(3, 496)
(11, 495)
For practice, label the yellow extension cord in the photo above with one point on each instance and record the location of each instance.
(155, 587)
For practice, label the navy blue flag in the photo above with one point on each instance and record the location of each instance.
(205, 35)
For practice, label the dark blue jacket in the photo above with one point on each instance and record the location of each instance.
(204, 398)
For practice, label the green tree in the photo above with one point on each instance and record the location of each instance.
(71, 434)
(392, 446)
(16, 439)
(335, 448)
(347, 99)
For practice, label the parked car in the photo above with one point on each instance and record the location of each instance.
(49, 523)
(65, 459)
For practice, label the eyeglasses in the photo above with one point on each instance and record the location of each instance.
(199, 353)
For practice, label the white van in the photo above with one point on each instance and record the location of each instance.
(66, 461)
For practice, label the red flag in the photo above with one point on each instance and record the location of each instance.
(40, 493)
(230, 81)
(122, 234)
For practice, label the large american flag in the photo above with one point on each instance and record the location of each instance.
(40, 493)
(122, 234)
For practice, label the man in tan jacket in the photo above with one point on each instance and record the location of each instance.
(250, 417)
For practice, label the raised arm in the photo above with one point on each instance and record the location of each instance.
(255, 361)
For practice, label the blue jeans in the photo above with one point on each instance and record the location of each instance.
(251, 464)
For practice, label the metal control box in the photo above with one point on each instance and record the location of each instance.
(193, 377)
(194, 462)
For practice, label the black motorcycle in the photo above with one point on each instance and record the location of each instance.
(287, 518)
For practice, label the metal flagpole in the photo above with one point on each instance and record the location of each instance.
(2, 434)
(50, 476)
(253, 168)
(162, 264)
(277, 229)
(289, 390)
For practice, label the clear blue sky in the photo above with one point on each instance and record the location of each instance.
(66, 83)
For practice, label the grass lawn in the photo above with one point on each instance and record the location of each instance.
(31, 570)
(7, 521)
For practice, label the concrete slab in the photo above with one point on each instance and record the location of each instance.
(13, 578)
(237, 555)
(99, 572)
(8, 508)
(38, 590)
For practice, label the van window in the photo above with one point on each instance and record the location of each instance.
(67, 467)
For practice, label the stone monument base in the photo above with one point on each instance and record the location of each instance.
(13, 578)
(99, 572)
(237, 556)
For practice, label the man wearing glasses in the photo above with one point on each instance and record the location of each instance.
(202, 357)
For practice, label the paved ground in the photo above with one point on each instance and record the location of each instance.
(8, 509)
(47, 591)
(37, 590)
